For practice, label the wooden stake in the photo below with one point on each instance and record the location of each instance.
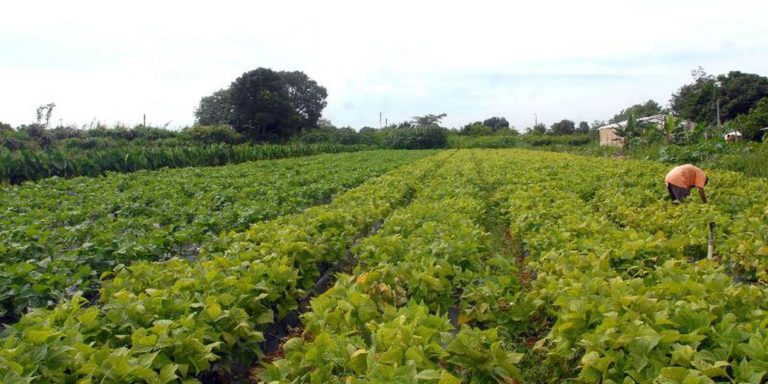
(711, 244)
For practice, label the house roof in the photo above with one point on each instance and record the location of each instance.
(655, 118)
(612, 126)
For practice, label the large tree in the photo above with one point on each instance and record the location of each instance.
(737, 93)
(261, 108)
(266, 105)
(215, 109)
(696, 101)
(649, 108)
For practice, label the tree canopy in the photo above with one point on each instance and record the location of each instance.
(583, 127)
(538, 129)
(263, 104)
(486, 127)
(751, 124)
(215, 109)
(428, 120)
(649, 108)
(476, 129)
(496, 123)
(5, 127)
(563, 127)
(737, 92)
(740, 92)
(306, 96)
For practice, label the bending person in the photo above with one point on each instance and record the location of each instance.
(681, 179)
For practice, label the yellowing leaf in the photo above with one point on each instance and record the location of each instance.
(39, 337)
(428, 374)
(590, 358)
(15, 367)
(213, 310)
(88, 317)
(358, 361)
(447, 378)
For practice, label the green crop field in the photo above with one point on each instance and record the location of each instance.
(59, 235)
(476, 266)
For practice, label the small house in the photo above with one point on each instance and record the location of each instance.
(608, 134)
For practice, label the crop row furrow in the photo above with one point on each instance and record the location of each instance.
(389, 321)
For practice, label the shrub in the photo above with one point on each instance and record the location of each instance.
(316, 136)
(476, 129)
(415, 138)
(493, 141)
(214, 134)
(62, 133)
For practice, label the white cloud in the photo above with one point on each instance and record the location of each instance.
(558, 59)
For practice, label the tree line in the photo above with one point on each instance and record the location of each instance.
(263, 105)
(734, 101)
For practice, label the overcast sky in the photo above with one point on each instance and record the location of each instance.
(581, 60)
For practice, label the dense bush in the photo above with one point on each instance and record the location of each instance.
(214, 134)
(545, 140)
(695, 153)
(21, 165)
(510, 140)
(748, 159)
(345, 136)
(493, 141)
(130, 134)
(316, 136)
(752, 124)
(415, 138)
(63, 133)
(476, 129)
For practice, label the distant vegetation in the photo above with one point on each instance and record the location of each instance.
(270, 114)
(32, 153)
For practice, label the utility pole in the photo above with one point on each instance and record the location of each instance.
(717, 97)
(144, 123)
(379, 120)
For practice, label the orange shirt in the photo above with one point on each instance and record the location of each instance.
(686, 176)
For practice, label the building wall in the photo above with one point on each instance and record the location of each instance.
(608, 137)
